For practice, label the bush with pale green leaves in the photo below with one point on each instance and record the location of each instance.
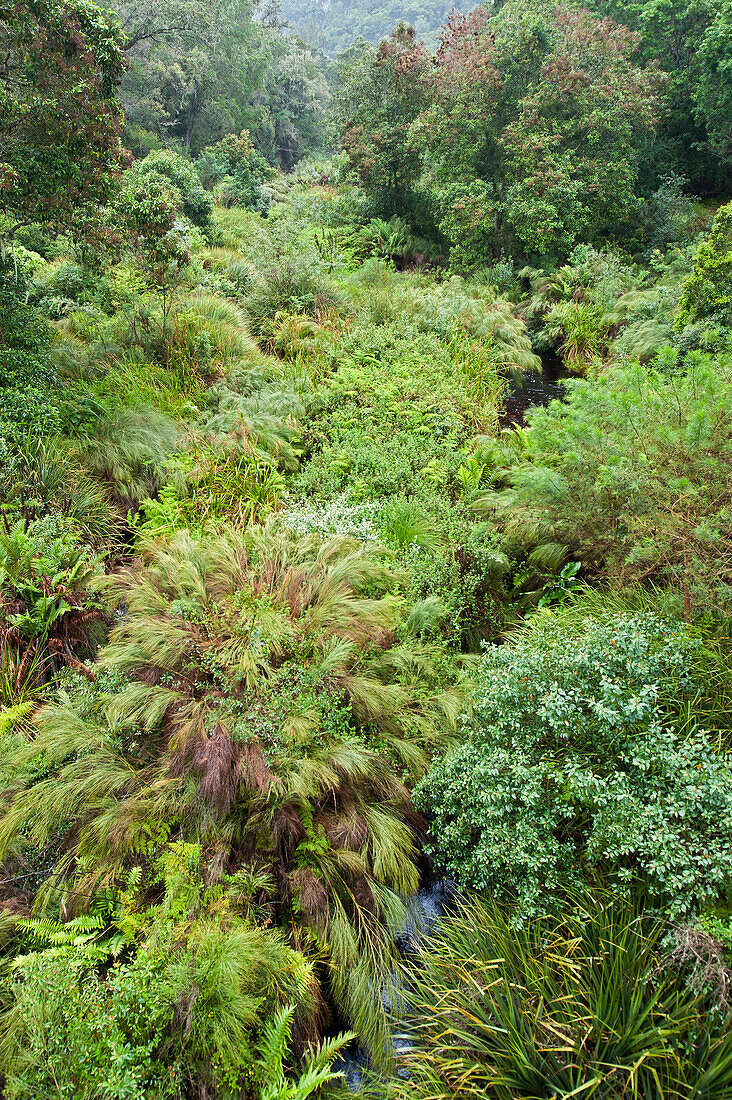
(573, 762)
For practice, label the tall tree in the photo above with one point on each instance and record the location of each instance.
(678, 36)
(714, 91)
(203, 68)
(381, 93)
(60, 122)
(572, 155)
(530, 126)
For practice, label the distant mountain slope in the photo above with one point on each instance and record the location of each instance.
(332, 25)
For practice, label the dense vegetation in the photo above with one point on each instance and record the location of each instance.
(333, 26)
(309, 594)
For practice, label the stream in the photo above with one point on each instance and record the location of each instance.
(425, 908)
(533, 388)
(423, 911)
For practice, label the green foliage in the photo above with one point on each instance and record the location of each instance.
(184, 187)
(45, 480)
(60, 117)
(236, 172)
(571, 762)
(714, 91)
(571, 152)
(343, 26)
(380, 94)
(688, 42)
(202, 69)
(528, 126)
(583, 1002)
(267, 680)
(147, 208)
(299, 415)
(130, 450)
(270, 1063)
(577, 329)
(124, 1001)
(288, 288)
(27, 376)
(391, 240)
(48, 614)
(707, 292)
(630, 474)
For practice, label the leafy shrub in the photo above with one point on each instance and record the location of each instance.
(236, 171)
(65, 279)
(586, 1002)
(671, 213)
(289, 288)
(25, 260)
(571, 762)
(707, 292)
(47, 611)
(631, 474)
(185, 996)
(182, 182)
(26, 371)
(340, 516)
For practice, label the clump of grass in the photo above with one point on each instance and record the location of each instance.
(130, 450)
(289, 289)
(558, 1006)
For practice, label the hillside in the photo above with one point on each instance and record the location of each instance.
(365, 558)
(333, 25)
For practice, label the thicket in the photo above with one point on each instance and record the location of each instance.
(303, 600)
(581, 756)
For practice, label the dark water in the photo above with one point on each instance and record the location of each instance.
(423, 911)
(533, 388)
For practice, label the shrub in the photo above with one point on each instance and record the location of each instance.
(707, 292)
(571, 761)
(271, 692)
(340, 516)
(236, 171)
(183, 183)
(65, 279)
(184, 997)
(671, 213)
(631, 475)
(27, 376)
(288, 289)
(48, 615)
